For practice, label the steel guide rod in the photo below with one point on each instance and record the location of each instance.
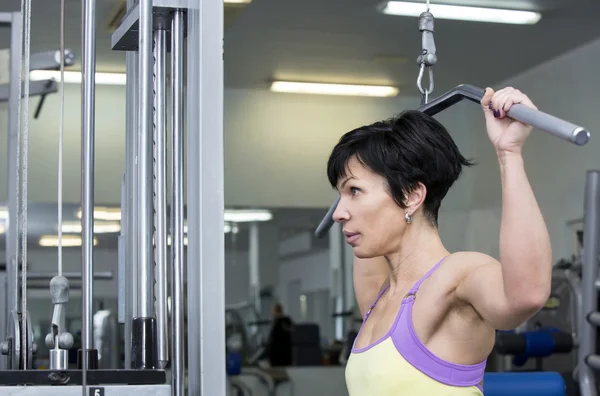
(145, 109)
(88, 94)
(177, 166)
(133, 211)
(144, 323)
(160, 195)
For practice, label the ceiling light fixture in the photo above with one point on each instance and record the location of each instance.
(247, 216)
(67, 241)
(104, 213)
(462, 13)
(238, 1)
(74, 77)
(99, 228)
(231, 228)
(232, 215)
(333, 89)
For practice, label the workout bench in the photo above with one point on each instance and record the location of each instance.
(539, 383)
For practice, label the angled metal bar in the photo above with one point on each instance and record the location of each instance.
(36, 88)
(50, 60)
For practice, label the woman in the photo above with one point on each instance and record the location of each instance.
(430, 315)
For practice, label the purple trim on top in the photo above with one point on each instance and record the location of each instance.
(358, 350)
(417, 354)
(411, 348)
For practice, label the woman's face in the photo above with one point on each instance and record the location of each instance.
(372, 221)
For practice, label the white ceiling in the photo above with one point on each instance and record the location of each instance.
(340, 40)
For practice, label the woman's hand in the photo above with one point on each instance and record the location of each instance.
(507, 135)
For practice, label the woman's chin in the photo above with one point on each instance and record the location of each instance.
(363, 253)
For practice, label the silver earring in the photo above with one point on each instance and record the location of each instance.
(408, 218)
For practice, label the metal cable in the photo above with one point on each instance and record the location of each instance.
(17, 187)
(25, 4)
(60, 134)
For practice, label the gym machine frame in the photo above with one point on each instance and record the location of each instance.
(202, 23)
(587, 357)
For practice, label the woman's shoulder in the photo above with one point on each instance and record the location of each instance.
(472, 258)
(457, 265)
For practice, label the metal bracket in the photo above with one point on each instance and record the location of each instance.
(125, 38)
(36, 88)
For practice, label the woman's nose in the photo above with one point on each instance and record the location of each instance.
(340, 214)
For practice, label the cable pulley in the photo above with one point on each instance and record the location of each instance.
(428, 58)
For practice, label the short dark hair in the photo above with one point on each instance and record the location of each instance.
(409, 148)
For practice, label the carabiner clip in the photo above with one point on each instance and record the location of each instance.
(420, 79)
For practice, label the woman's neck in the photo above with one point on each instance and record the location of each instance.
(419, 250)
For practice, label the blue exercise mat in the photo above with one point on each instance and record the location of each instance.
(524, 384)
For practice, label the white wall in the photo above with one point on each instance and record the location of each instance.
(43, 146)
(237, 275)
(276, 145)
(312, 270)
(567, 88)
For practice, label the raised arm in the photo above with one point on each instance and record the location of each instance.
(369, 276)
(509, 292)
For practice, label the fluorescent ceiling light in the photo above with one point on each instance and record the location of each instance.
(104, 213)
(243, 216)
(238, 1)
(2, 229)
(67, 241)
(233, 215)
(333, 89)
(74, 77)
(231, 228)
(462, 13)
(99, 228)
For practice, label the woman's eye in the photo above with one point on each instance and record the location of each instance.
(354, 190)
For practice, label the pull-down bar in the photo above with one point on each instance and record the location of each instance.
(537, 119)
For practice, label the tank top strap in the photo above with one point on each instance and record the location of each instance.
(415, 288)
(376, 299)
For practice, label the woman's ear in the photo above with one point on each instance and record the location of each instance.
(415, 198)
